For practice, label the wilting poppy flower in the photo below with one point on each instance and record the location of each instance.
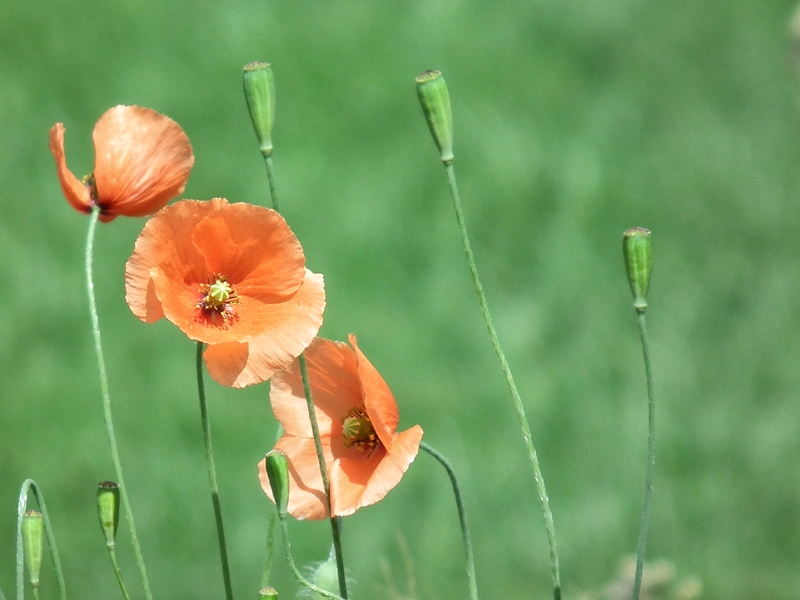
(232, 276)
(142, 161)
(357, 417)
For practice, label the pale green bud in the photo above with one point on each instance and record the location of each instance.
(33, 543)
(268, 593)
(259, 91)
(108, 509)
(637, 247)
(278, 474)
(435, 101)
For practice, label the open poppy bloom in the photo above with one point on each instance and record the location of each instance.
(357, 418)
(142, 161)
(232, 276)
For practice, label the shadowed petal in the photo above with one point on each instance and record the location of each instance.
(76, 192)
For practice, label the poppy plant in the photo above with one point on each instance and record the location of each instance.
(357, 418)
(142, 161)
(232, 276)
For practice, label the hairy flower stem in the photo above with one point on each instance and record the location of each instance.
(112, 438)
(30, 484)
(326, 484)
(651, 457)
(462, 517)
(273, 193)
(212, 474)
(296, 572)
(520, 409)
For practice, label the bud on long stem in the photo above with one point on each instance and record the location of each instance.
(435, 101)
(259, 90)
(32, 539)
(637, 246)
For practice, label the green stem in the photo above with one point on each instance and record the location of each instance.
(267, 568)
(30, 484)
(273, 194)
(295, 571)
(335, 525)
(520, 409)
(651, 457)
(212, 474)
(112, 438)
(462, 518)
(113, 554)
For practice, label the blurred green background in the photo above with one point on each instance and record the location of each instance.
(574, 119)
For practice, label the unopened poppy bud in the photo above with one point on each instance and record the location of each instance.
(268, 593)
(108, 509)
(435, 101)
(32, 541)
(278, 473)
(259, 90)
(637, 246)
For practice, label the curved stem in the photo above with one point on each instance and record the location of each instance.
(651, 457)
(520, 409)
(212, 474)
(273, 193)
(335, 525)
(462, 518)
(30, 484)
(113, 554)
(112, 438)
(296, 572)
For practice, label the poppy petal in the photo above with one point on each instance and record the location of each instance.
(336, 389)
(378, 399)
(76, 192)
(142, 160)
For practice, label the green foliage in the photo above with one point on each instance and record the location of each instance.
(575, 121)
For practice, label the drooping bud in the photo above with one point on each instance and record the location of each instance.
(32, 541)
(435, 101)
(108, 509)
(268, 593)
(326, 576)
(278, 474)
(259, 91)
(637, 247)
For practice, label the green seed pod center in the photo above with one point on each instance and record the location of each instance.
(218, 298)
(358, 431)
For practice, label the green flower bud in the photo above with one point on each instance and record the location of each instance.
(259, 91)
(637, 247)
(435, 101)
(278, 473)
(108, 509)
(32, 540)
(268, 593)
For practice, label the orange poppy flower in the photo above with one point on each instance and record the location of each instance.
(142, 161)
(232, 276)
(357, 417)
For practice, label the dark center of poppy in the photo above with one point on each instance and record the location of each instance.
(358, 431)
(218, 298)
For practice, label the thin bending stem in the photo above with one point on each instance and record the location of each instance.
(651, 457)
(462, 518)
(273, 194)
(212, 474)
(296, 572)
(323, 469)
(520, 409)
(30, 484)
(113, 554)
(112, 438)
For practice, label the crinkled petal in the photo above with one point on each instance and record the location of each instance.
(333, 375)
(378, 399)
(363, 480)
(76, 192)
(142, 160)
(306, 495)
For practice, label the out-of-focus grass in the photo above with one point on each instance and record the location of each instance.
(574, 121)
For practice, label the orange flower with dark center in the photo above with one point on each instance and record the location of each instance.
(357, 418)
(142, 161)
(232, 276)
